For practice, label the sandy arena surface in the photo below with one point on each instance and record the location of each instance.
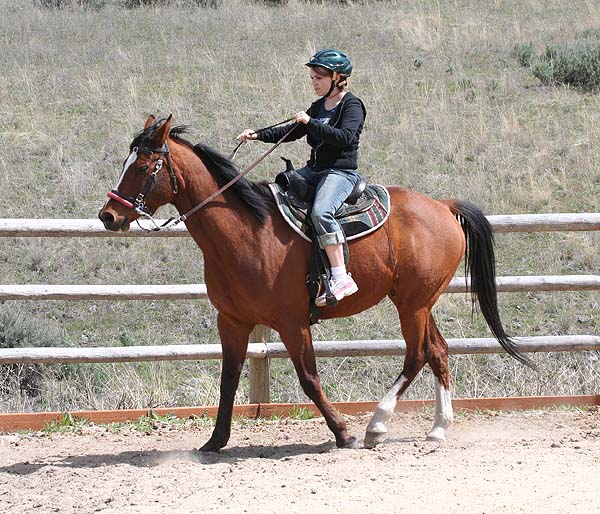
(527, 462)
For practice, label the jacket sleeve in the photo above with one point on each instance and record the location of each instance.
(296, 131)
(352, 117)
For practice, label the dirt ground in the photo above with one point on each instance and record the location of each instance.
(529, 462)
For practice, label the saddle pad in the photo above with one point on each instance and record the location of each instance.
(354, 225)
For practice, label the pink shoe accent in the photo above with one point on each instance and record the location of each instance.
(340, 289)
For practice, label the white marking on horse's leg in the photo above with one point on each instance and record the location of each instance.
(443, 413)
(376, 431)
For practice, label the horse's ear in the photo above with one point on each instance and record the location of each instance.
(149, 121)
(160, 135)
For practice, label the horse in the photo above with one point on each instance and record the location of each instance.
(256, 266)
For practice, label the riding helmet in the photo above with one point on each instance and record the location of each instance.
(333, 60)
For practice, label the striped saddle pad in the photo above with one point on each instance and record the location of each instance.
(370, 212)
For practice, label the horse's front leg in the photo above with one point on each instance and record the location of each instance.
(298, 341)
(234, 340)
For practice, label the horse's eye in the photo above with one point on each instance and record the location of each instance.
(143, 169)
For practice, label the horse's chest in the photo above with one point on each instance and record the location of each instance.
(234, 287)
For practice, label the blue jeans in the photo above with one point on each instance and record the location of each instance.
(332, 187)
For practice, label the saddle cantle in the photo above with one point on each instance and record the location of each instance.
(370, 211)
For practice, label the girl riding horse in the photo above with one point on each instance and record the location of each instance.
(332, 126)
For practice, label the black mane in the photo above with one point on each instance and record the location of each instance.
(144, 136)
(255, 195)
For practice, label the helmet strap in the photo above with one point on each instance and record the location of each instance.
(342, 82)
(335, 82)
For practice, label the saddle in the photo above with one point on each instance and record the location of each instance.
(364, 211)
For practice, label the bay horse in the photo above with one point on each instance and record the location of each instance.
(256, 266)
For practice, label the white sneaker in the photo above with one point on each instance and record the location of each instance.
(340, 289)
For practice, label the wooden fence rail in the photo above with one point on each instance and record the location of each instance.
(22, 227)
(260, 350)
(276, 350)
(198, 291)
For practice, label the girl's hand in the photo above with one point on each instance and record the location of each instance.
(247, 135)
(302, 117)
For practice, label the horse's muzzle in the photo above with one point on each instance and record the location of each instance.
(113, 223)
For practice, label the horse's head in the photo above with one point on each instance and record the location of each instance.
(147, 180)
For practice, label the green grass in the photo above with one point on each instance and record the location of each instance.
(301, 413)
(148, 423)
(451, 113)
(67, 423)
(153, 421)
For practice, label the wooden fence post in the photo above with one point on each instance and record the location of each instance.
(259, 368)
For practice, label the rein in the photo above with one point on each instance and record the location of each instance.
(138, 204)
(235, 150)
(175, 221)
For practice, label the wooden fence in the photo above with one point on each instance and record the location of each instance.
(260, 348)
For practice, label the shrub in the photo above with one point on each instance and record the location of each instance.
(524, 54)
(576, 63)
(19, 331)
(578, 66)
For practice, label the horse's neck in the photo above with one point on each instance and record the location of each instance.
(224, 226)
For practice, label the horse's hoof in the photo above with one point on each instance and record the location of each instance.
(210, 448)
(437, 434)
(372, 439)
(350, 443)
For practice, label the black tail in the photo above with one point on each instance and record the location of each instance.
(481, 264)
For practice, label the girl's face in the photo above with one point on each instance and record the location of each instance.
(320, 83)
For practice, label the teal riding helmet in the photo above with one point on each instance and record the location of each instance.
(333, 60)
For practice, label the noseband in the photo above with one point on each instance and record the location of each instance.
(138, 204)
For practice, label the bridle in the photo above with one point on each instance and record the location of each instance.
(138, 204)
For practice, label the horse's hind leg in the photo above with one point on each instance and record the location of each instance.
(298, 342)
(414, 328)
(438, 361)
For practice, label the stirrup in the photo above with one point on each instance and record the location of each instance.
(350, 289)
(327, 297)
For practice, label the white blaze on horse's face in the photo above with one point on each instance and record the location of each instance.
(130, 160)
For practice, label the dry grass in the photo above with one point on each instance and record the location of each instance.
(451, 114)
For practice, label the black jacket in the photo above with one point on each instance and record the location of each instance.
(334, 145)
